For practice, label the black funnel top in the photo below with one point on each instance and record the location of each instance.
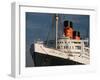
(76, 33)
(68, 23)
(65, 23)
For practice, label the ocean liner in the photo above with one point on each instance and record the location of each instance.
(68, 49)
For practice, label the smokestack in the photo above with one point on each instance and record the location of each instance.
(68, 30)
(76, 35)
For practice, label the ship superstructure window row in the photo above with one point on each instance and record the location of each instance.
(63, 42)
(64, 47)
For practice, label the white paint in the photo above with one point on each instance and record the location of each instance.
(69, 9)
(5, 47)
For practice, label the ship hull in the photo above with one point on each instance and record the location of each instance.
(48, 60)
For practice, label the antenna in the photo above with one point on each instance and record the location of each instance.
(56, 29)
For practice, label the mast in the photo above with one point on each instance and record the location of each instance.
(56, 29)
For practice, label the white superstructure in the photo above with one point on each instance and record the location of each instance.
(71, 45)
(80, 55)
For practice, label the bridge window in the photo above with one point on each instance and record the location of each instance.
(78, 47)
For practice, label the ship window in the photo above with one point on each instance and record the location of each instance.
(86, 44)
(78, 47)
(66, 47)
(58, 47)
(77, 42)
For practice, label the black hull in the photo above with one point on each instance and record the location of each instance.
(47, 60)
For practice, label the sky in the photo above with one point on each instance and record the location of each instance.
(39, 26)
